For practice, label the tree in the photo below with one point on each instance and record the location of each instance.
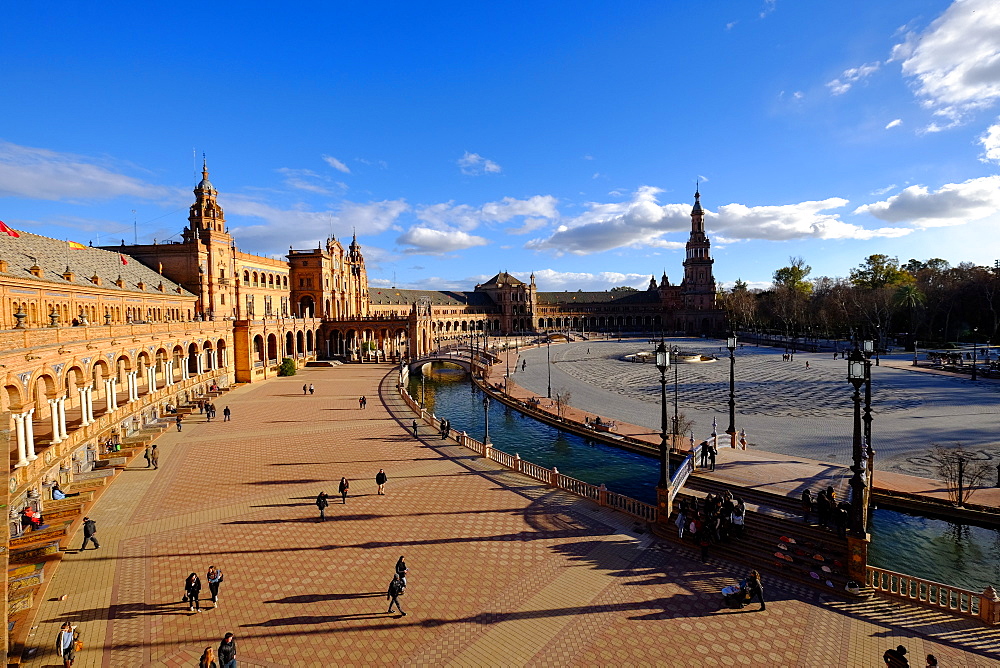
(287, 367)
(963, 471)
(624, 288)
(879, 271)
(562, 400)
(793, 277)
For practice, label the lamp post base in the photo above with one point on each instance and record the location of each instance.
(857, 557)
(663, 507)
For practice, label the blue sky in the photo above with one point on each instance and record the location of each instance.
(565, 138)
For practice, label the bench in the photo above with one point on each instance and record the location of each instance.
(33, 538)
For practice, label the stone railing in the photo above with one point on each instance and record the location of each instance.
(983, 606)
(551, 477)
(682, 474)
(64, 335)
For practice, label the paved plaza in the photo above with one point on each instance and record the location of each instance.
(503, 570)
(784, 406)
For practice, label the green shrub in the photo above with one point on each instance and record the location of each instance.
(287, 367)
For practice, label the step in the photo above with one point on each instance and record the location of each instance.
(95, 474)
(69, 502)
(55, 531)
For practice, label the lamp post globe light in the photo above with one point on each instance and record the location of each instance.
(662, 364)
(731, 344)
(856, 377)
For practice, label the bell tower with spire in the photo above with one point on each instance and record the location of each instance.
(698, 286)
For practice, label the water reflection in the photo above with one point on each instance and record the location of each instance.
(956, 554)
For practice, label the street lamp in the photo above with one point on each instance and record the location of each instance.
(662, 364)
(486, 414)
(677, 422)
(548, 364)
(856, 376)
(867, 348)
(975, 350)
(422, 387)
(731, 344)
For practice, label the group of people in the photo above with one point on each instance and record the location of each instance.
(716, 518)
(323, 499)
(709, 453)
(445, 429)
(896, 658)
(192, 588)
(224, 657)
(749, 588)
(830, 513)
(397, 587)
(362, 402)
(308, 388)
(152, 456)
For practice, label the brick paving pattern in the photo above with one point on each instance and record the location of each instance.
(503, 570)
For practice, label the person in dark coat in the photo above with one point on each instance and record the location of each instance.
(66, 641)
(227, 652)
(713, 452)
(755, 589)
(896, 658)
(226, 414)
(380, 480)
(823, 508)
(401, 570)
(215, 578)
(704, 455)
(343, 487)
(89, 533)
(179, 421)
(154, 457)
(414, 429)
(807, 504)
(322, 501)
(192, 589)
(395, 589)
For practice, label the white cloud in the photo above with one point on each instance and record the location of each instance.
(39, 173)
(731, 25)
(954, 65)
(851, 76)
(309, 181)
(769, 6)
(474, 164)
(551, 280)
(951, 204)
(336, 164)
(878, 192)
(804, 220)
(798, 95)
(991, 144)
(437, 242)
(303, 227)
(447, 215)
(894, 123)
(529, 225)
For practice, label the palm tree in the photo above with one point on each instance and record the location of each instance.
(909, 297)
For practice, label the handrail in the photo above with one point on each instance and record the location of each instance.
(984, 606)
(682, 474)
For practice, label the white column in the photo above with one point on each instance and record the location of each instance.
(225, 357)
(22, 455)
(89, 405)
(54, 416)
(29, 434)
(62, 417)
(83, 406)
(185, 374)
(168, 373)
(200, 359)
(152, 379)
(133, 385)
(111, 393)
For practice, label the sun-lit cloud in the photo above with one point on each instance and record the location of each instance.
(429, 241)
(445, 215)
(878, 192)
(951, 204)
(991, 144)
(769, 6)
(474, 164)
(894, 123)
(309, 181)
(336, 164)
(784, 222)
(851, 76)
(954, 65)
(39, 173)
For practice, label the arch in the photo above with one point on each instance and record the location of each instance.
(272, 349)
(270, 280)
(307, 306)
(192, 358)
(220, 348)
(254, 278)
(309, 340)
(13, 398)
(246, 277)
(258, 350)
(300, 344)
(289, 344)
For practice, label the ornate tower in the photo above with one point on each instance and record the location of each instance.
(698, 286)
(357, 280)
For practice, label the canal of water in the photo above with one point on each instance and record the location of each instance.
(956, 554)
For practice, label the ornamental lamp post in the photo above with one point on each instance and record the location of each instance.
(856, 377)
(731, 344)
(868, 347)
(548, 365)
(662, 364)
(486, 415)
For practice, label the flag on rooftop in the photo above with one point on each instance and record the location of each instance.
(122, 258)
(8, 230)
(75, 244)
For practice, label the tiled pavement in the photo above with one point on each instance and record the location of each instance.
(503, 571)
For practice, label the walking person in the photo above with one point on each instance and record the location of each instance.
(361, 403)
(414, 429)
(755, 589)
(311, 388)
(401, 571)
(147, 457)
(215, 578)
(68, 643)
(305, 388)
(342, 488)
(392, 595)
(713, 452)
(192, 590)
(178, 421)
(364, 401)
(227, 652)
(704, 455)
(896, 658)
(322, 501)
(154, 457)
(89, 533)
(208, 659)
(380, 480)
(226, 414)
